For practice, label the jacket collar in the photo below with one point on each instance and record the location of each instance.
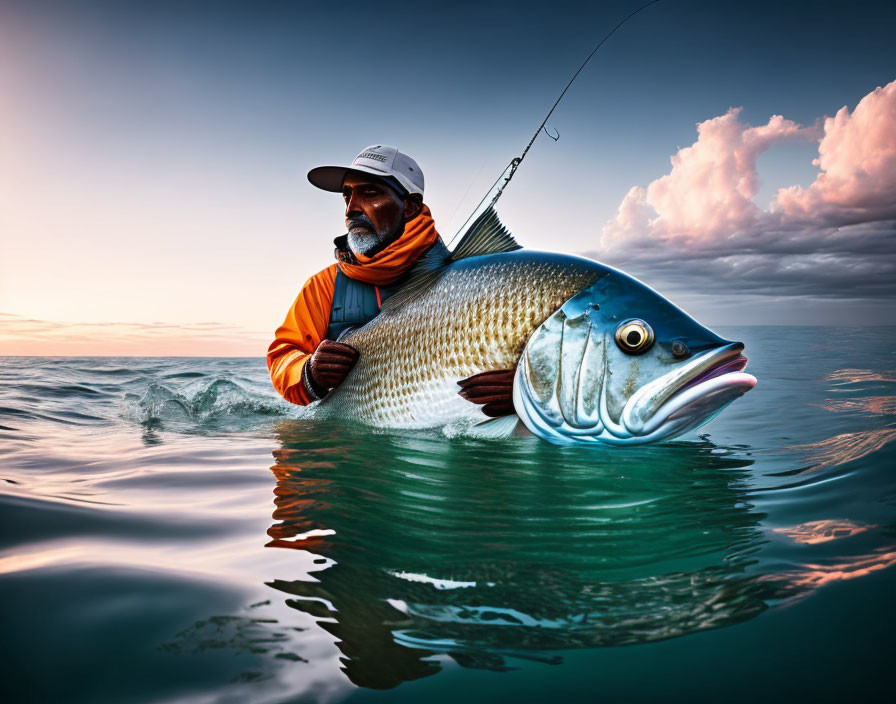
(393, 262)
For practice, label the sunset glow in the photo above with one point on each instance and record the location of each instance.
(153, 198)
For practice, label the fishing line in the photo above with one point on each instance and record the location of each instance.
(511, 168)
(466, 193)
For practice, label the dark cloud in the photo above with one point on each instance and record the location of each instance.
(856, 261)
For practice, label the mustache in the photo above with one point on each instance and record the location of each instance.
(361, 221)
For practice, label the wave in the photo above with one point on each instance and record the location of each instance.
(68, 417)
(62, 391)
(216, 401)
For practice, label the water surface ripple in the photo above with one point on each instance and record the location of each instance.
(173, 531)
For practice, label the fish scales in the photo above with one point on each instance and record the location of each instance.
(599, 357)
(476, 317)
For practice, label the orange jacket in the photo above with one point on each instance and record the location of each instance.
(307, 320)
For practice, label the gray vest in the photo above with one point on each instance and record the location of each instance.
(355, 303)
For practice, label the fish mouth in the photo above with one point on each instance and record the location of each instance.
(724, 367)
(688, 396)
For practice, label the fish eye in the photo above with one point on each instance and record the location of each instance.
(680, 349)
(634, 336)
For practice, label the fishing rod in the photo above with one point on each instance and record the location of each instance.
(501, 182)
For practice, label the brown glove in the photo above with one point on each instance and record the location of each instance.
(492, 389)
(328, 367)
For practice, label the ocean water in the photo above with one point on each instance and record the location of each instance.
(173, 531)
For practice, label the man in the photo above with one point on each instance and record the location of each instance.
(389, 229)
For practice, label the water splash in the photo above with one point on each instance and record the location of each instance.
(215, 402)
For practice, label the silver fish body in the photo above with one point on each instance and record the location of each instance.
(556, 318)
(476, 317)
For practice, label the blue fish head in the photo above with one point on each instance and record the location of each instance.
(617, 297)
(619, 363)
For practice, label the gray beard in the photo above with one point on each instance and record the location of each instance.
(364, 242)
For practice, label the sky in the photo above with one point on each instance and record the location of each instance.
(739, 158)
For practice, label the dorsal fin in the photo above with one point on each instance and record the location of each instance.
(486, 236)
(422, 275)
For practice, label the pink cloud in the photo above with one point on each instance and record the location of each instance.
(709, 191)
(707, 197)
(857, 160)
(833, 238)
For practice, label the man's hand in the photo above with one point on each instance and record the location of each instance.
(329, 365)
(492, 389)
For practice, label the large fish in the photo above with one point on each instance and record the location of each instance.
(599, 356)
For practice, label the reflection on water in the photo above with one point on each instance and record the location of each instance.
(857, 376)
(239, 634)
(814, 576)
(846, 447)
(874, 405)
(132, 563)
(487, 550)
(817, 532)
(794, 585)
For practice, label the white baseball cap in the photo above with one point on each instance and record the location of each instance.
(379, 160)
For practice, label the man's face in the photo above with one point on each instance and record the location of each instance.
(374, 214)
